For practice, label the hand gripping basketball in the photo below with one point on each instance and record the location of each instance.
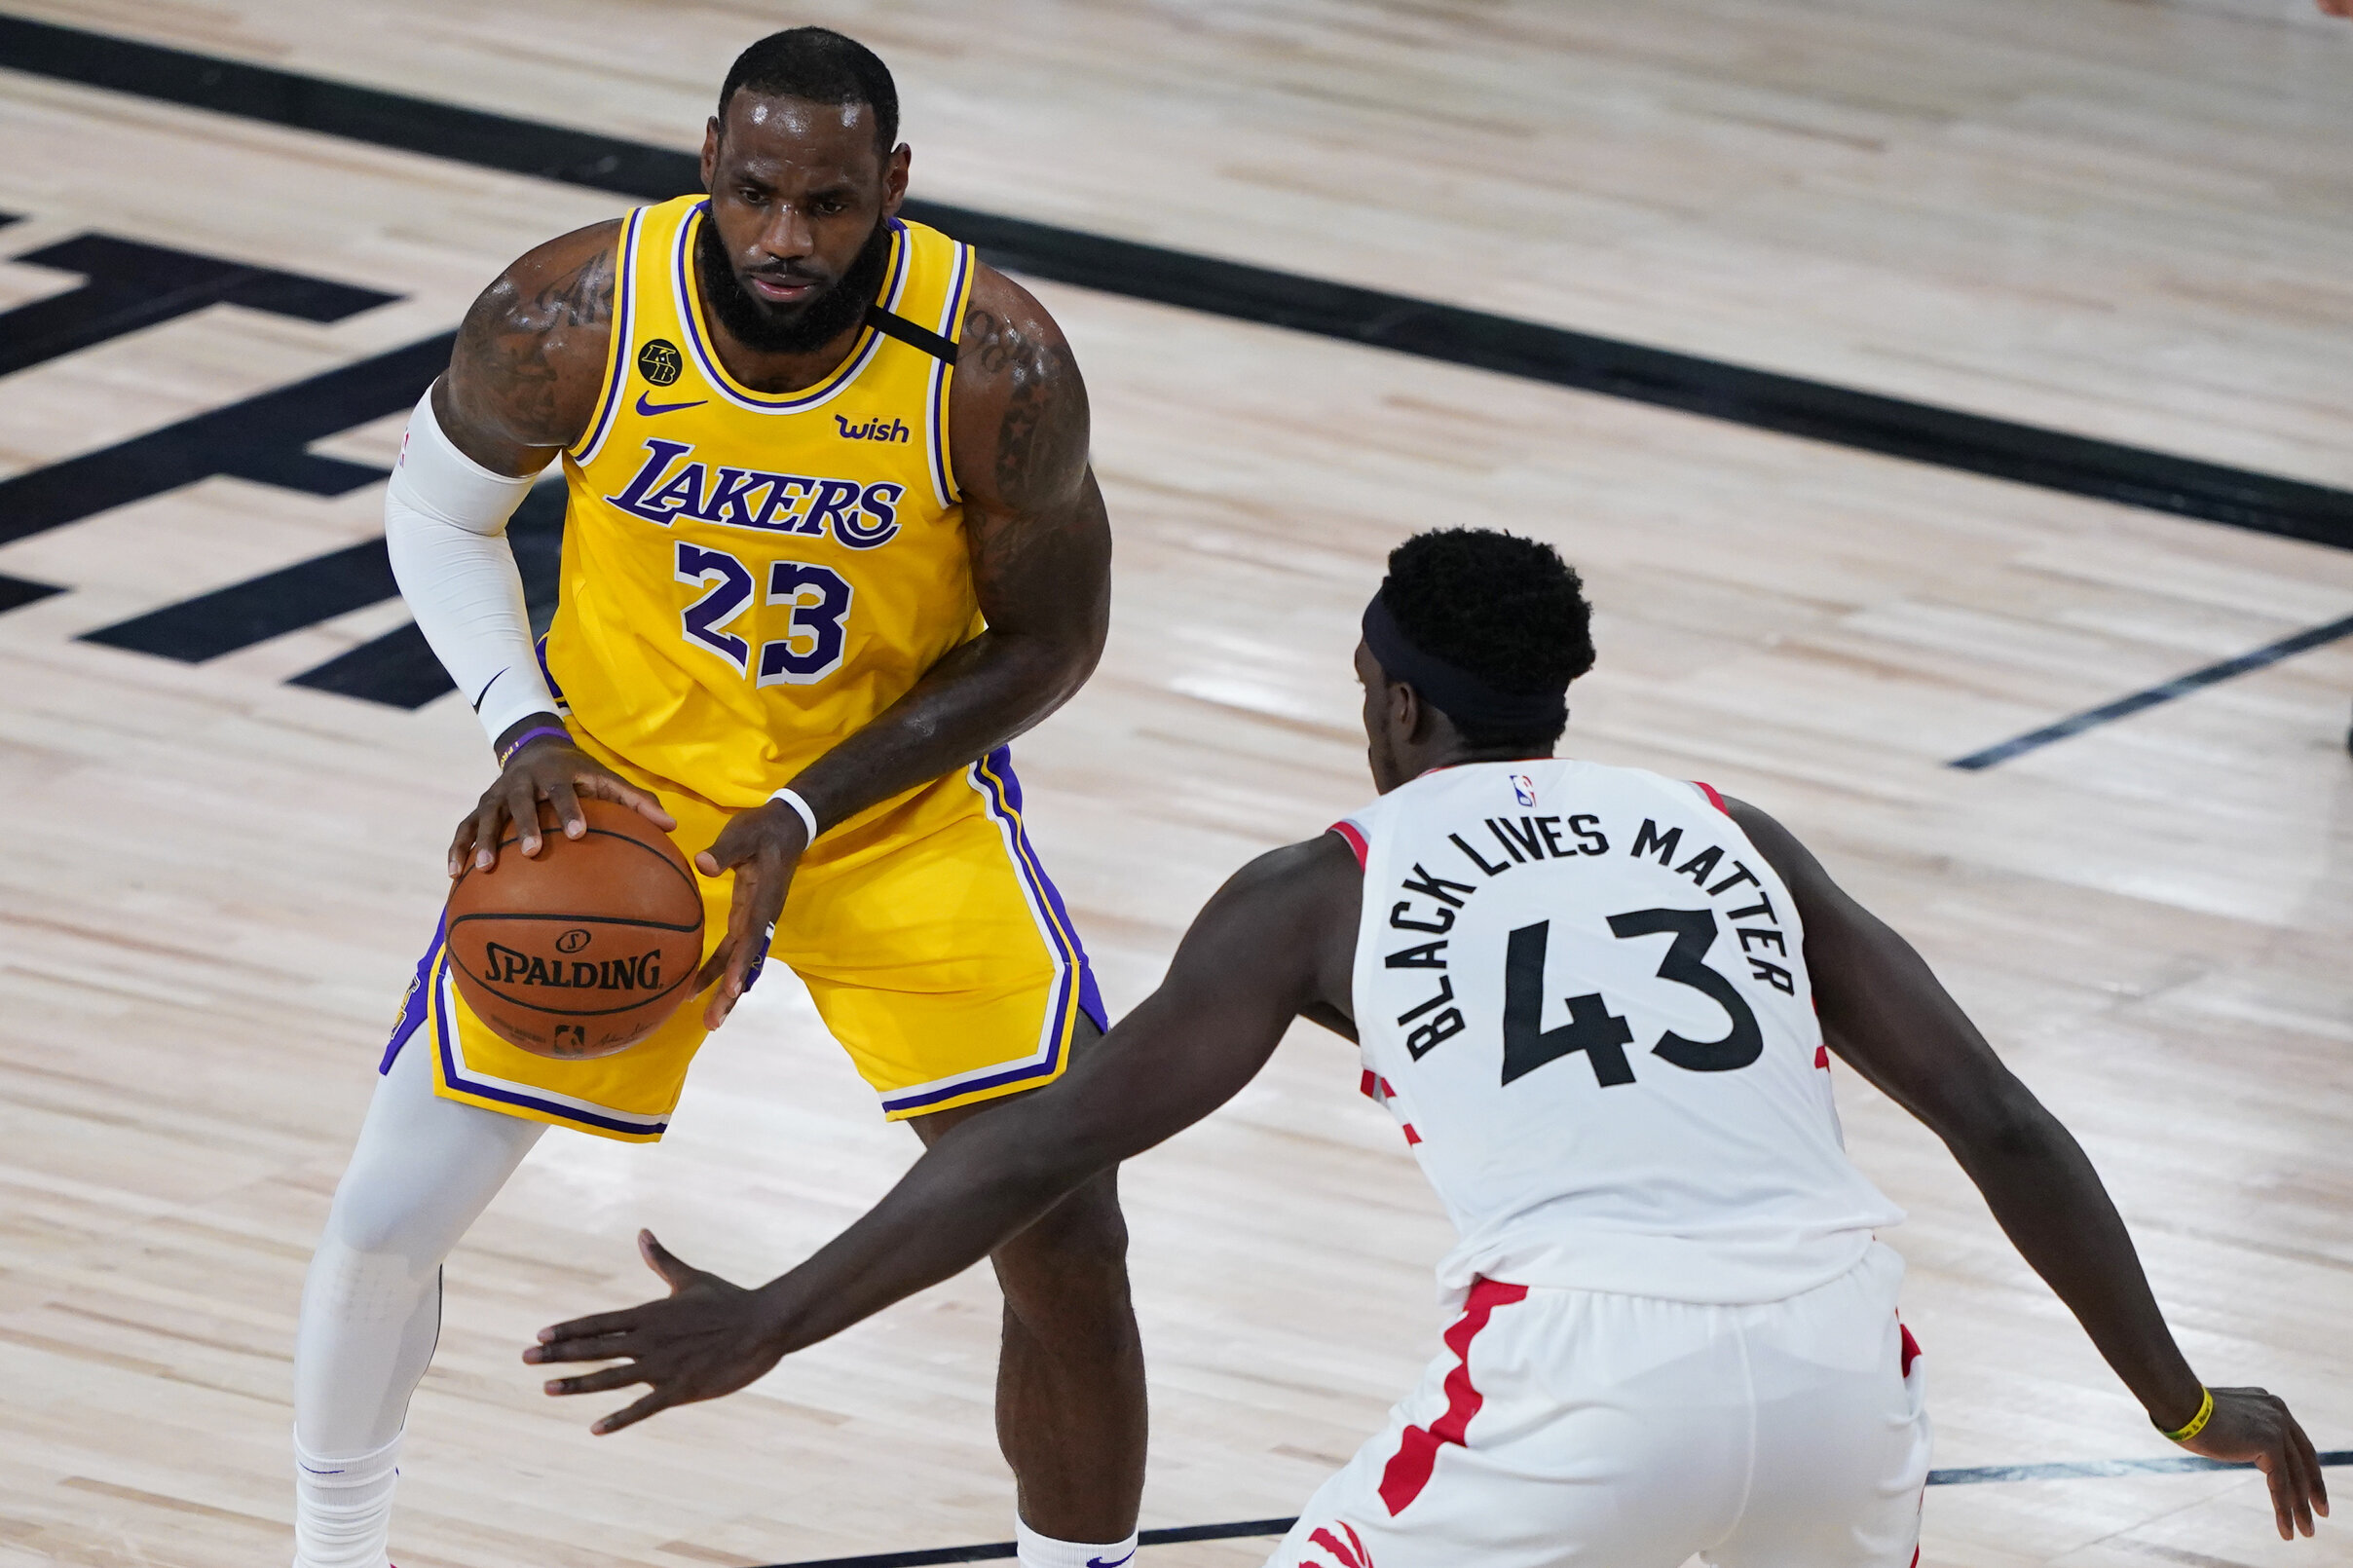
(585, 949)
(545, 769)
(761, 847)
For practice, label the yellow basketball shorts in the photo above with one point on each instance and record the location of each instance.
(934, 946)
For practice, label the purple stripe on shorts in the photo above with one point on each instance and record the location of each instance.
(420, 997)
(1003, 792)
(932, 1096)
(451, 1075)
(1090, 999)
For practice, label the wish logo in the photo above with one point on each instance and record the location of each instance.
(873, 430)
(673, 483)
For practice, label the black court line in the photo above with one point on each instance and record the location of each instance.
(1791, 405)
(1239, 1530)
(2180, 686)
(236, 617)
(260, 608)
(18, 591)
(128, 284)
(264, 438)
(2083, 1470)
(2102, 1469)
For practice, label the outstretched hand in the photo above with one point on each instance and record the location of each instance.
(2254, 1425)
(762, 846)
(701, 1341)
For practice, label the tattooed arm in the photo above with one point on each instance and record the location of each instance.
(530, 359)
(1041, 567)
(521, 385)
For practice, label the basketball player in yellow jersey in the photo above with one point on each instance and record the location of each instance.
(831, 541)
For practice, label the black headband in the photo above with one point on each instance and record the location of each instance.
(1454, 692)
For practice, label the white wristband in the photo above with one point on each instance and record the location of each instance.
(809, 819)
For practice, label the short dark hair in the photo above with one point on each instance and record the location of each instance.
(1507, 609)
(822, 66)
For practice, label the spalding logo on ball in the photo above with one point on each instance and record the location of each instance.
(586, 948)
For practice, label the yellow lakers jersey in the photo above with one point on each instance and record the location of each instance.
(749, 576)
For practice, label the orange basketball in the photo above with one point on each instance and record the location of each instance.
(584, 948)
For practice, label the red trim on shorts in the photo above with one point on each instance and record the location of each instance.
(1332, 1542)
(1324, 1538)
(1713, 799)
(1408, 1472)
(1377, 1089)
(1354, 841)
(1911, 1346)
(1821, 1057)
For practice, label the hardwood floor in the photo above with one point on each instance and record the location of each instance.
(2123, 220)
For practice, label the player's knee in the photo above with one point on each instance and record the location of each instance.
(1078, 1251)
(378, 1216)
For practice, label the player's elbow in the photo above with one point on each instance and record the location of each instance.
(1061, 660)
(2003, 1123)
(1084, 652)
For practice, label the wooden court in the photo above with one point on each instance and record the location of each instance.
(2123, 219)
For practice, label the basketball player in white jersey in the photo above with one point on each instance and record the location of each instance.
(1590, 995)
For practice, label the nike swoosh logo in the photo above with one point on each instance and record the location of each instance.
(644, 407)
(1098, 1562)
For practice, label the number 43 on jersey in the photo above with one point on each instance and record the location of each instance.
(1603, 1035)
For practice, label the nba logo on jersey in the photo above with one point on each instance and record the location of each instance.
(1524, 788)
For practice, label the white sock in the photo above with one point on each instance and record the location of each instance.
(343, 1507)
(1044, 1551)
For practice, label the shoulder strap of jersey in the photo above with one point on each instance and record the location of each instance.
(910, 334)
(1352, 835)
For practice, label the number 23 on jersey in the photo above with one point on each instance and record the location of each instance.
(814, 599)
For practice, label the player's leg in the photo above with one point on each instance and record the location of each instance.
(1556, 1428)
(943, 958)
(422, 1170)
(1070, 1412)
(1843, 1438)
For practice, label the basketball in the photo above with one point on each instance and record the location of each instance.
(584, 948)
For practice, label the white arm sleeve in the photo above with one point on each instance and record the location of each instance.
(445, 524)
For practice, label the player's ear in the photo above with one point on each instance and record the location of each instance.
(710, 151)
(894, 178)
(1409, 714)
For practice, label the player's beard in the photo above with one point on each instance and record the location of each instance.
(805, 328)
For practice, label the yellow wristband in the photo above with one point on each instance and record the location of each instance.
(2197, 1423)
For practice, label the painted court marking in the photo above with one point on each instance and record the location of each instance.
(1921, 433)
(2181, 685)
(1242, 1529)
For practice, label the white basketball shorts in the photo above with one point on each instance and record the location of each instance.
(1573, 1427)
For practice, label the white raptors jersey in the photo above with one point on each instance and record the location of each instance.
(1583, 993)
